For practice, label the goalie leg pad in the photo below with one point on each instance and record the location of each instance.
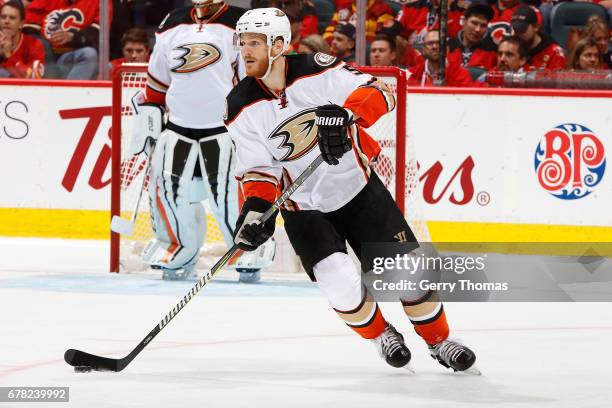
(178, 221)
(217, 162)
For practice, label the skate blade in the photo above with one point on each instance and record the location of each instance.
(408, 367)
(473, 370)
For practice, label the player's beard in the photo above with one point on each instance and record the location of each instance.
(257, 68)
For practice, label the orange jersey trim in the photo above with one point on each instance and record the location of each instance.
(368, 103)
(262, 189)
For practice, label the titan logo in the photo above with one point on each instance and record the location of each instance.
(195, 57)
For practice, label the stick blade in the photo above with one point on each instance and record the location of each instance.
(122, 226)
(78, 358)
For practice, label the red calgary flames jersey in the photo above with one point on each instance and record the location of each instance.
(547, 55)
(418, 17)
(65, 15)
(28, 60)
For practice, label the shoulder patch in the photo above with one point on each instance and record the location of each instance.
(324, 60)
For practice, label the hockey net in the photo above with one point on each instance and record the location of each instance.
(396, 166)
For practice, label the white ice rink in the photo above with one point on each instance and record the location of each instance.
(275, 344)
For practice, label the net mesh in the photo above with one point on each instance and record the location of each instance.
(134, 172)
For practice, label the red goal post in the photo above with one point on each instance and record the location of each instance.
(395, 168)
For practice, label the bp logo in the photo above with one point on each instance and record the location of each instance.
(570, 161)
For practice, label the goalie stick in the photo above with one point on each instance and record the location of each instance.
(126, 227)
(121, 225)
(83, 361)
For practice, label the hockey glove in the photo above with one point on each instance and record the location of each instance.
(250, 232)
(332, 121)
(148, 125)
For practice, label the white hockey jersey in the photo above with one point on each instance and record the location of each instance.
(194, 66)
(276, 135)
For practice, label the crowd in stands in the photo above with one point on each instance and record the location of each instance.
(44, 38)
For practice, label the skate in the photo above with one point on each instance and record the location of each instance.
(452, 354)
(247, 275)
(391, 347)
(183, 273)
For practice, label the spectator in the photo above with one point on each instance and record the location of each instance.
(425, 72)
(511, 55)
(408, 56)
(586, 56)
(21, 55)
(503, 10)
(500, 24)
(382, 52)
(607, 4)
(598, 30)
(420, 16)
(134, 46)
(346, 12)
(343, 42)
(72, 27)
(302, 16)
(473, 47)
(314, 43)
(543, 52)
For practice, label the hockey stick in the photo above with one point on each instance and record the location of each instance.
(83, 361)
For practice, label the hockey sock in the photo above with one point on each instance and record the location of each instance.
(339, 279)
(366, 319)
(428, 317)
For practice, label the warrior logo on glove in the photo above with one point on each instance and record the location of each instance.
(332, 122)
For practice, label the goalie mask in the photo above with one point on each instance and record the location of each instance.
(205, 8)
(270, 22)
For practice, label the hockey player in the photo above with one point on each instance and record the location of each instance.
(288, 110)
(193, 67)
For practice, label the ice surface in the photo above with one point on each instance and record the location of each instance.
(277, 344)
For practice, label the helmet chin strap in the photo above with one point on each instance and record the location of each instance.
(271, 60)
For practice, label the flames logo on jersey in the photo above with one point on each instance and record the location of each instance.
(195, 57)
(499, 30)
(298, 135)
(63, 20)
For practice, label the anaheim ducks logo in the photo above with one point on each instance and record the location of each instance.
(298, 135)
(195, 57)
(63, 20)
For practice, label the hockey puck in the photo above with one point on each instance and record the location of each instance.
(82, 369)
